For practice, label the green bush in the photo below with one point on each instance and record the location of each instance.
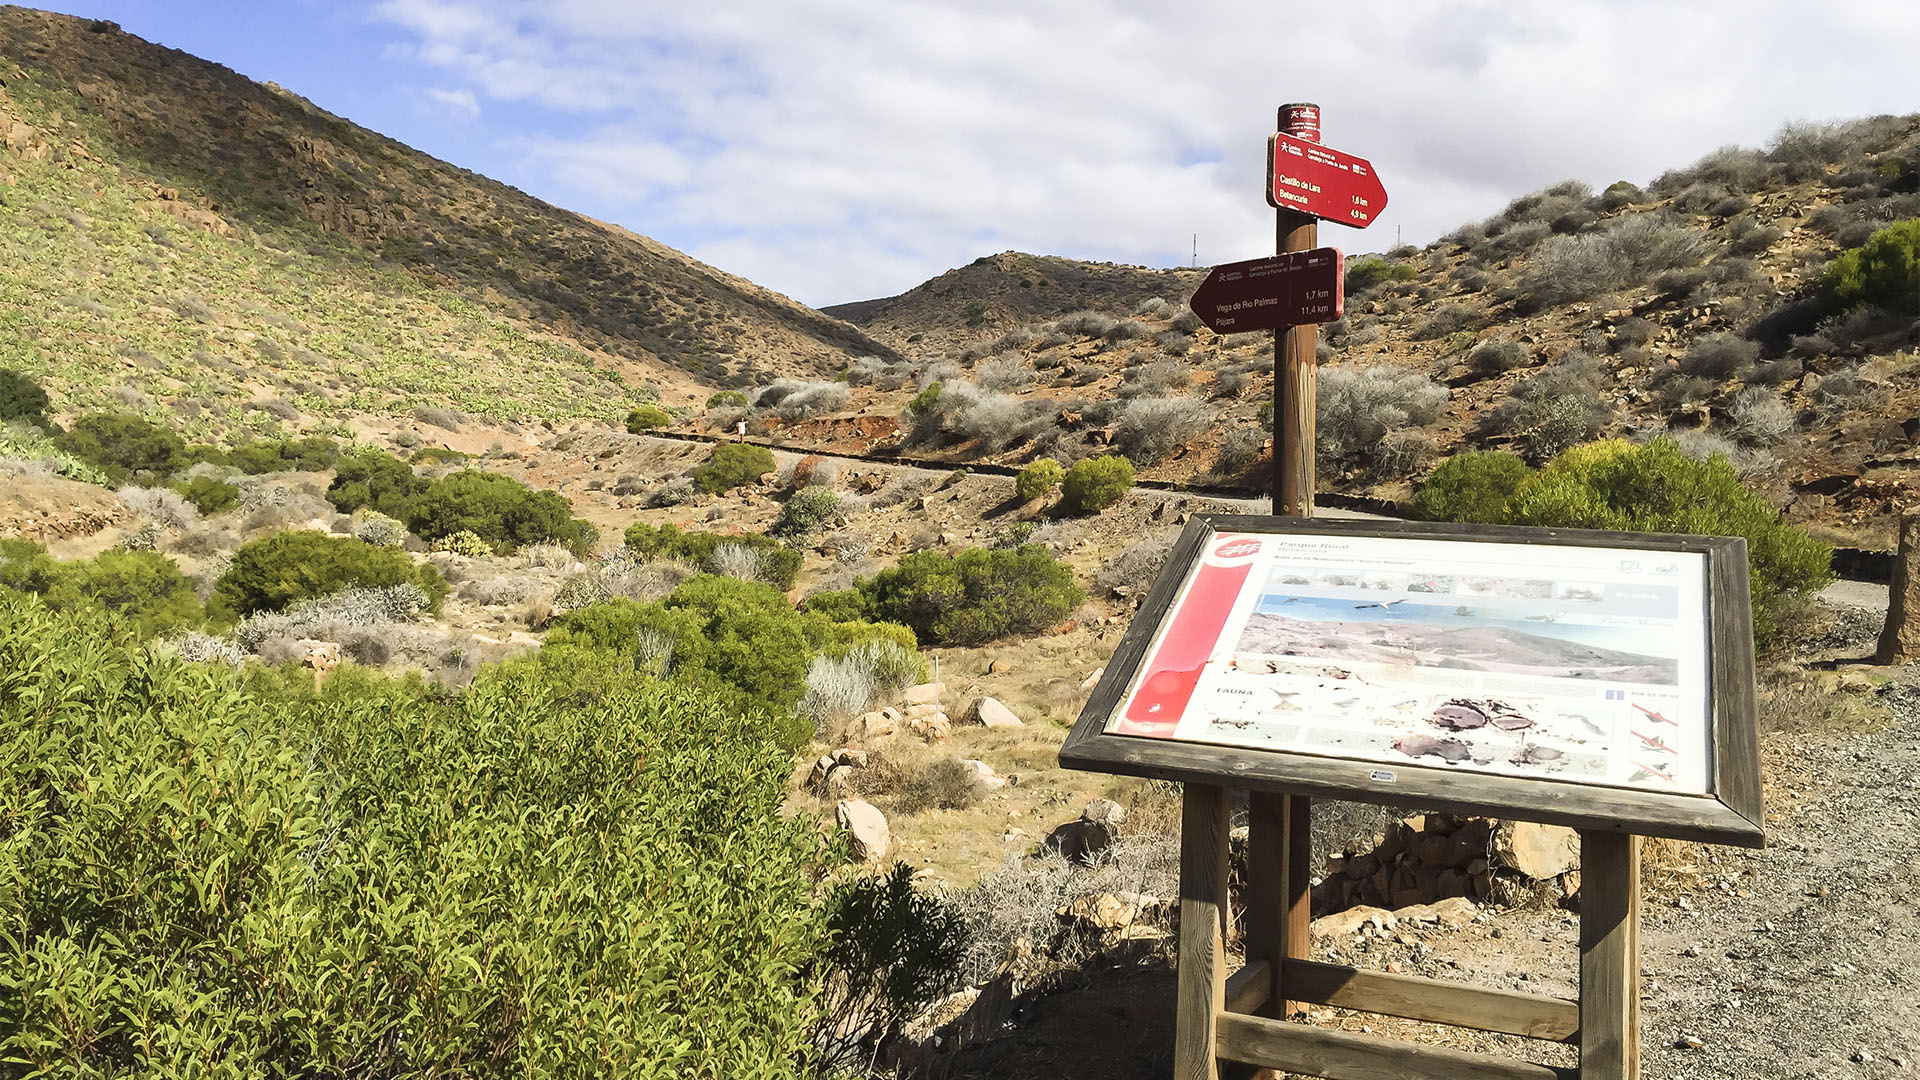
(1470, 487)
(926, 399)
(778, 563)
(309, 453)
(1093, 484)
(733, 465)
(144, 587)
(739, 639)
(1650, 487)
(806, 510)
(976, 596)
(1038, 479)
(727, 399)
(209, 494)
(221, 872)
(21, 398)
(498, 509)
(375, 480)
(274, 571)
(465, 542)
(647, 418)
(894, 951)
(125, 446)
(1367, 273)
(1884, 273)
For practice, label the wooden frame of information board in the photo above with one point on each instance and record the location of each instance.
(1727, 813)
(1240, 1017)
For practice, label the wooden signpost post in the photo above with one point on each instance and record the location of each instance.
(1616, 699)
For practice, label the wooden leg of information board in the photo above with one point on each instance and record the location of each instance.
(1609, 956)
(1205, 818)
(1279, 895)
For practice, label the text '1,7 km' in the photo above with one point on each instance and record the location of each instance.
(1326, 183)
(1295, 289)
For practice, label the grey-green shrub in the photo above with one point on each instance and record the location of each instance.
(1357, 406)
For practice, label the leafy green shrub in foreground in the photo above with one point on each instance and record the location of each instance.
(1884, 272)
(1649, 487)
(272, 572)
(732, 466)
(976, 596)
(778, 563)
(227, 874)
(1093, 484)
(124, 446)
(1038, 479)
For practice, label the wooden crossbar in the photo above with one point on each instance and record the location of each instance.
(1415, 998)
(1250, 987)
(1344, 1055)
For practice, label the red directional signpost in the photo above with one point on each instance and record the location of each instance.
(1324, 182)
(1295, 289)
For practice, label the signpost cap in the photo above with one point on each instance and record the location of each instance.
(1300, 119)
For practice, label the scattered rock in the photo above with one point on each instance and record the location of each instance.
(989, 712)
(1110, 911)
(924, 694)
(1347, 923)
(1092, 680)
(1455, 911)
(866, 827)
(983, 773)
(932, 728)
(875, 725)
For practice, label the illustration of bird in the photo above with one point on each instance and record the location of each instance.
(1643, 771)
(1652, 742)
(1656, 717)
(1383, 605)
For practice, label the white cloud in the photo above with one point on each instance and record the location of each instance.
(851, 148)
(461, 103)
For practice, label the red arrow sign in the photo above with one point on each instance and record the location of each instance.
(1294, 289)
(1326, 183)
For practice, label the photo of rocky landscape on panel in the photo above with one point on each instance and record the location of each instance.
(1580, 664)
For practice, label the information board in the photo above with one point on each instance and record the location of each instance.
(1557, 671)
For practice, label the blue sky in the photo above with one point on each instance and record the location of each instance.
(837, 150)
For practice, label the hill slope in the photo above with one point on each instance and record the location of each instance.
(167, 219)
(997, 292)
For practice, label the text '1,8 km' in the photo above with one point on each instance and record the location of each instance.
(1295, 289)
(1326, 183)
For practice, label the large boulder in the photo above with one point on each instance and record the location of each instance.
(866, 827)
(989, 712)
(1538, 851)
(924, 693)
(1093, 832)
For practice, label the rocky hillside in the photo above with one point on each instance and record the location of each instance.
(181, 230)
(1683, 307)
(996, 293)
